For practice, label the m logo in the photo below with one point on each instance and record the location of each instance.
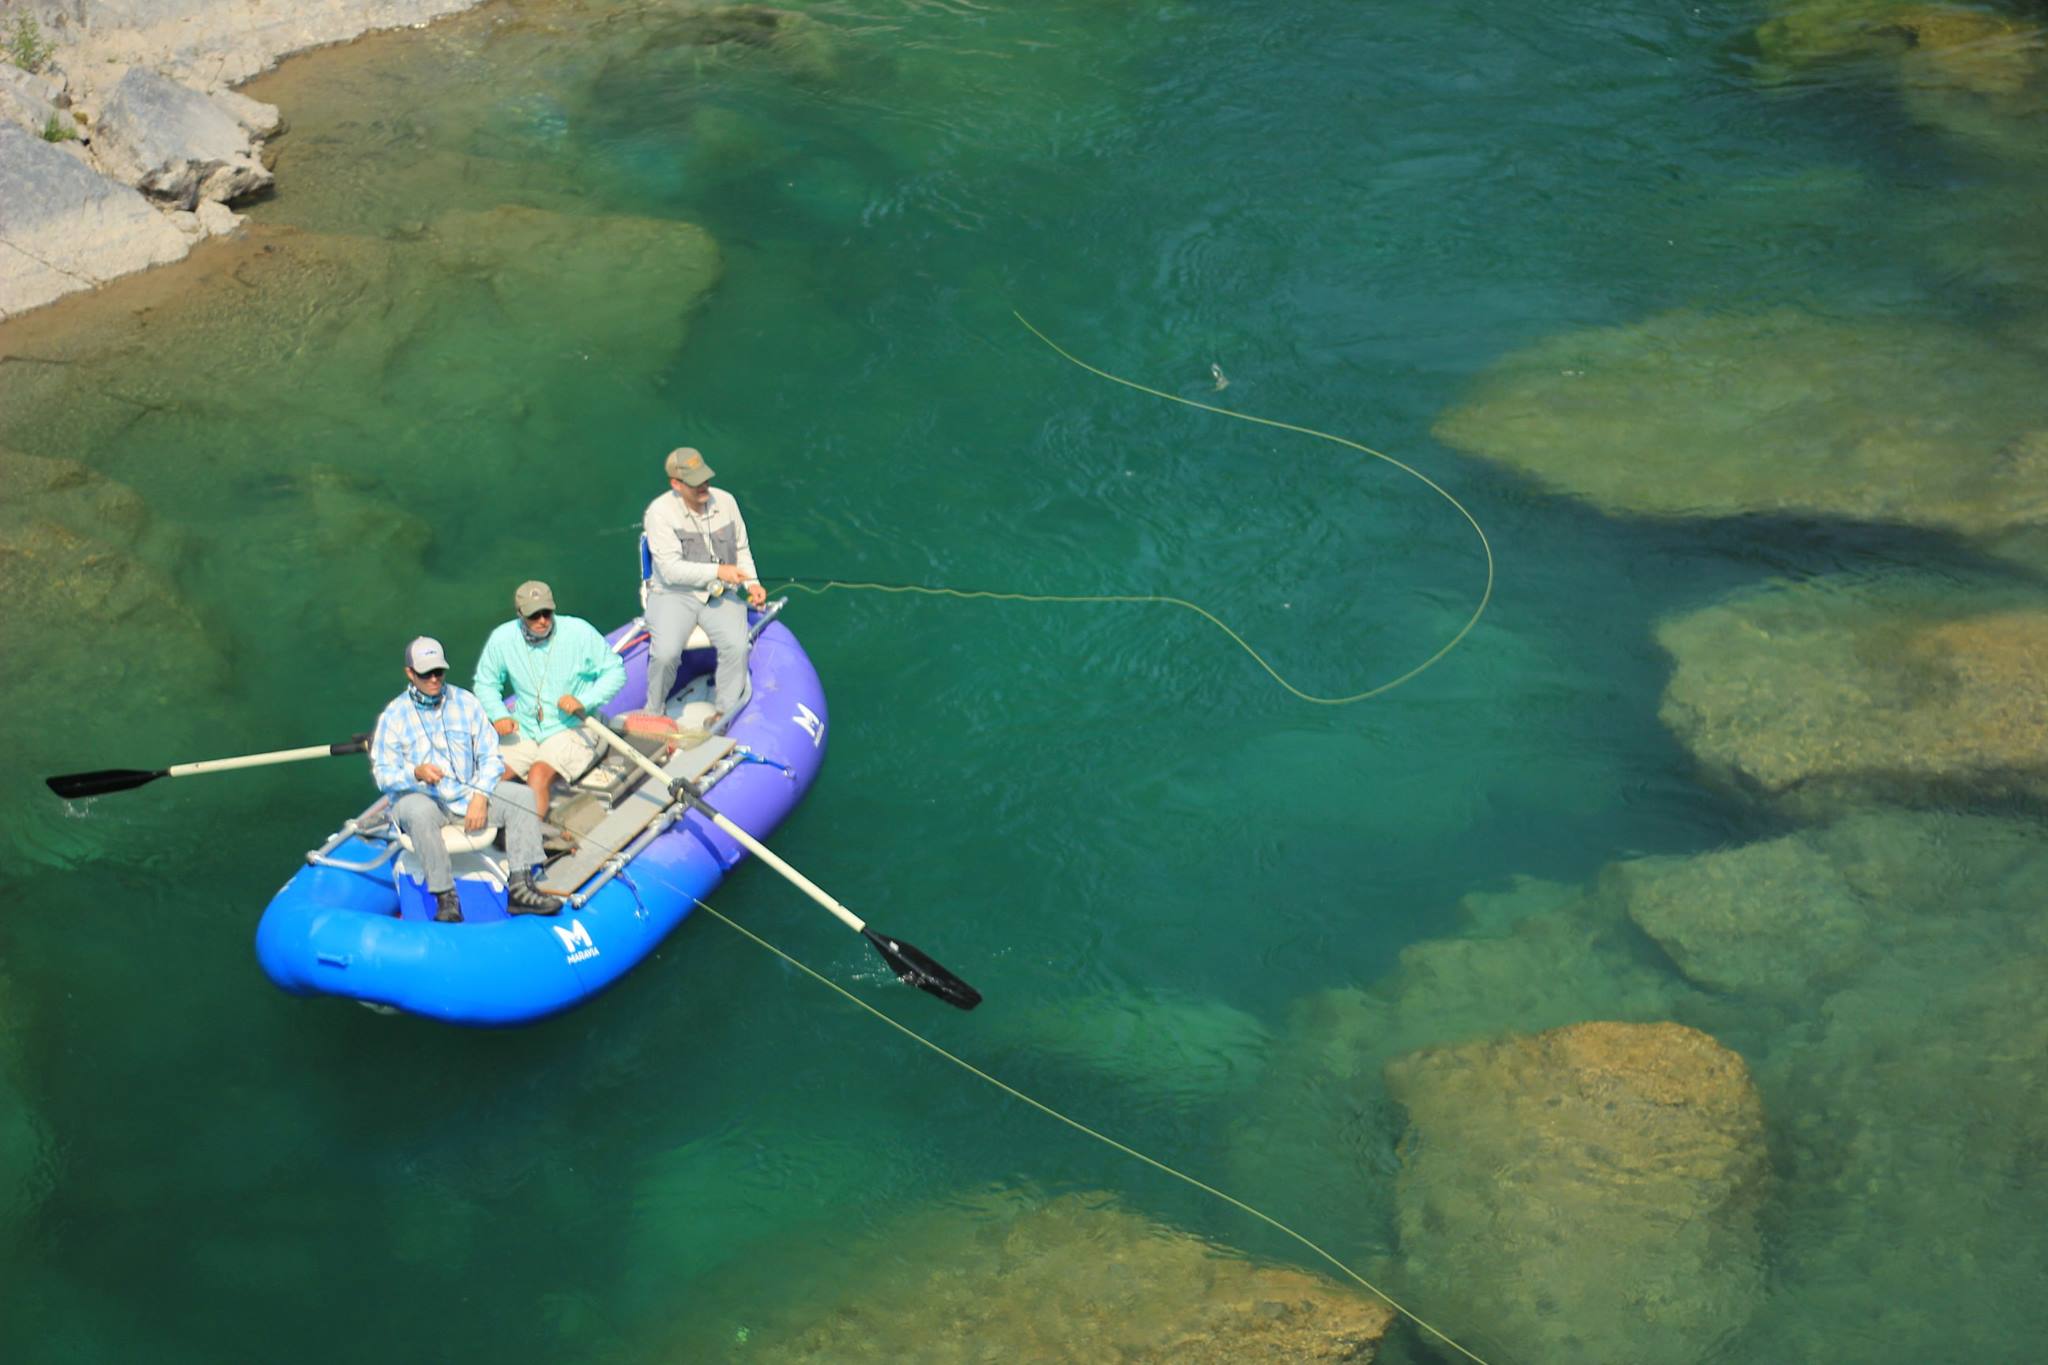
(576, 940)
(807, 720)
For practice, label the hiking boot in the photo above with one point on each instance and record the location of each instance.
(447, 907)
(522, 897)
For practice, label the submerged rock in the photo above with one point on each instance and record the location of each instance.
(1911, 1133)
(352, 525)
(1775, 919)
(271, 329)
(68, 493)
(1809, 32)
(546, 273)
(72, 581)
(1794, 919)
(1971, 50)
(1977, 76)
(292, 329)
(1318, 1133)
(73, 574)
(1991, 240)
(1073, 1279)
(1535, 957)
(1695, 414)
(1587, 1194)
(1928, 49)
(792, 40)
(1983, 80)
(1864, 961)
(1845, 688)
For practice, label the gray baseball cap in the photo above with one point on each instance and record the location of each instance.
(425, 654)
(687, 464)
(532, 596)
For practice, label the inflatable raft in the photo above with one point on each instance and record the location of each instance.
(356, 920)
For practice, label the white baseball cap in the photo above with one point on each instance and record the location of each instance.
(425, 654)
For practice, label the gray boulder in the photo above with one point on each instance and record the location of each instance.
(29, 101)
(259, 118)
(63, 228)
(175, 144)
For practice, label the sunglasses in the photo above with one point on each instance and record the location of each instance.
(544, 614)
(433, 673)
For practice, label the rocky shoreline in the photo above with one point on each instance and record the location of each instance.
(122, 140)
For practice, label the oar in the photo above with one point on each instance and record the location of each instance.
(122, 779)
(912, 967)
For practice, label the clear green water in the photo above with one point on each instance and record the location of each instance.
(1350, 209)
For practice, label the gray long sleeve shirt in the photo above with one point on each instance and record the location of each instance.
(687, 547)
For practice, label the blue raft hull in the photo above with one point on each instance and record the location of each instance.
(330, 931)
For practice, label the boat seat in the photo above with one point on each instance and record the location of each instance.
(455, 837)
(638, 635)
(698, 639)
(481, 872)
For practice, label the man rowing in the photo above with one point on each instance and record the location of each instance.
(553, 668)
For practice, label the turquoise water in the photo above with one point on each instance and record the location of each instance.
(361, 424)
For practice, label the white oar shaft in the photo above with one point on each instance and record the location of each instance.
(215, 765)
(801, 882)
(738, 835)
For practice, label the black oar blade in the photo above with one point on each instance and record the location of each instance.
(913, 968)
(73, 785)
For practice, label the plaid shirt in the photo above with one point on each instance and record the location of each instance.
(455, 735)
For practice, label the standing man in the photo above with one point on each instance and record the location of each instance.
(434, 754)
(698, 542)
(554, 668)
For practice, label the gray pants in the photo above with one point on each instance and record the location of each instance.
(421, 817)
(670, 615)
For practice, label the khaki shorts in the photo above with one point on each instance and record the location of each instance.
(568, 752)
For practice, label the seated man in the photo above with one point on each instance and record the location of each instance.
(433, 755)
(554, 667)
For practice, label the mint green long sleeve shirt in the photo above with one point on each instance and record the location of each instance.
(574, 661)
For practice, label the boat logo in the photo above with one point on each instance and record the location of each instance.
(807, 721)
(576, 941)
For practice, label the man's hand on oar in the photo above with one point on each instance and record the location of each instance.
(71, 786)
(912, 967)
